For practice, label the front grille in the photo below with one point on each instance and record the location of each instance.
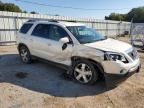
(133, 54)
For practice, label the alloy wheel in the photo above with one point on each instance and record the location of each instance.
(24, 55)
(83, 73)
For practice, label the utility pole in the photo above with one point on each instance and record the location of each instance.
(131, 27)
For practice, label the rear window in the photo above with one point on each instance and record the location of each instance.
(25, 28)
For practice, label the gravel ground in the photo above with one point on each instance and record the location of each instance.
(41, 85)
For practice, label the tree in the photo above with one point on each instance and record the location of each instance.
(33, 12)
(137, 14)
(24, 11)
(56, 15)
(115, 16)
(9, 7)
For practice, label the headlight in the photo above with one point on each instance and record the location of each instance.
(111, 56)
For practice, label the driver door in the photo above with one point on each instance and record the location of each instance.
(56, 53)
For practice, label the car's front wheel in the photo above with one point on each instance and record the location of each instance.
(25, 54)
(85, 72)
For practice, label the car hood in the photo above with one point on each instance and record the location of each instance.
(110, 45)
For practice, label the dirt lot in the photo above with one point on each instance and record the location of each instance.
(41, 85)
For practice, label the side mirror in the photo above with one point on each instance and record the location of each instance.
(64, 40)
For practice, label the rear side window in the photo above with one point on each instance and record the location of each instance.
(41, 30)
(25, 28)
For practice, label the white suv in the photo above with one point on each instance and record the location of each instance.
(86, 54)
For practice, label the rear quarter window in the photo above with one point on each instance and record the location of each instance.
(25, 28)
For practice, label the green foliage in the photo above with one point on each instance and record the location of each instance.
(137, 14)
(12, 8)
(24, 11)
(33, 12)
(9, 7)
(115, 16)
(56, 15)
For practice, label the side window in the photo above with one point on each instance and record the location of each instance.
(25, 28)
(56, 32)
(41, 30)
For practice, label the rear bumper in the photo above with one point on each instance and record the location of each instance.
(113, 80)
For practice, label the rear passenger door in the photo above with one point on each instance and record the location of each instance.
(40, 42)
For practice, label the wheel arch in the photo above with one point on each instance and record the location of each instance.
(20, 45)
(95, 63)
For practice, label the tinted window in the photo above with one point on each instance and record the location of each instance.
(25, 28)
(56, 32)
(41, 30)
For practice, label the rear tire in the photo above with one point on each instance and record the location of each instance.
(25, 55)
(84, 72)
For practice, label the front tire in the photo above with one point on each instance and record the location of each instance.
(85, 72)
(25, 55)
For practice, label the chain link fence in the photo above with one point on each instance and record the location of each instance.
(137, 34)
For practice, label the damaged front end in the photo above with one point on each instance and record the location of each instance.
(118, 68)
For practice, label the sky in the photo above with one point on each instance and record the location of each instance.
(123, 6)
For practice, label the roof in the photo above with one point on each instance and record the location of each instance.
(71, 23)
(64, 23)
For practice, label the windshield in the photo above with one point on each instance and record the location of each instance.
(84, 34)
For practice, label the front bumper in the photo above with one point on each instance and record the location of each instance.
(113, 80)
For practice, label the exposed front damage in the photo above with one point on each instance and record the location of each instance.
(117, 70)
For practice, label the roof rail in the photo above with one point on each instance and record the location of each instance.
(52, 20)
(49, 20)
(31, 20)
(72, 21)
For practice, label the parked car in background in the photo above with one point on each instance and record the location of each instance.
(86, 54)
